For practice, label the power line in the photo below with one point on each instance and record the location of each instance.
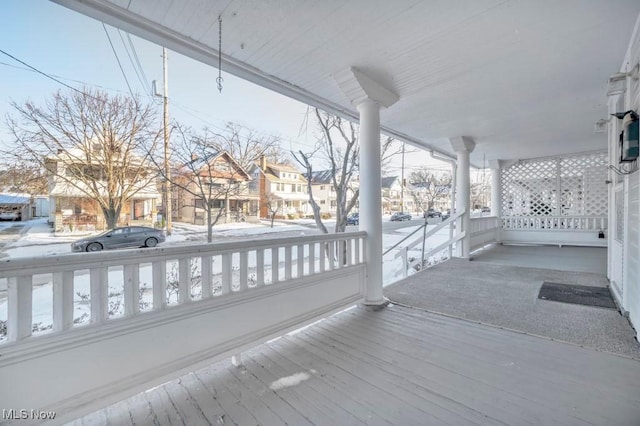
(135, 55)
(41, 72)
(135, 69)
(117, 59)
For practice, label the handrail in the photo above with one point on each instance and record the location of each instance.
(405, 238)
(432, 231)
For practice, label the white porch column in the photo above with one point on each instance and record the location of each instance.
(371, 198)
(496, 190)
(368, 96)
(463, 146)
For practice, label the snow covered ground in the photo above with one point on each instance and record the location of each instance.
(39, 241)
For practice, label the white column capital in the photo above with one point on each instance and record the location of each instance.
(462, 144)
(359, 87)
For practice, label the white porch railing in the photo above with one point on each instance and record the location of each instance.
(151, 314)
(484, 230)
(561, 230)
(423, 249)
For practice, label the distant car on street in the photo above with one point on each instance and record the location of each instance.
(129, 236)
(432, 213)
(445, 215)
(485, 210)
(353, 219)
(400, 216)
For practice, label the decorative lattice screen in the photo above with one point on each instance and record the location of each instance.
(562, 186)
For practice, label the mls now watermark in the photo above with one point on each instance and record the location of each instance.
(24, 414)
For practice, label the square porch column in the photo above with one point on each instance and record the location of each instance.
(463, 146)
(496, 194)
(368, 96)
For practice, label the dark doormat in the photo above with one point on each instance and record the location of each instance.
(577, 294)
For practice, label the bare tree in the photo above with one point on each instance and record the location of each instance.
(246, 145)
(206, 172)
(92, 143)
(273, 207)
(23, 177)
(480, 189)
(338, 147)
(429, 187)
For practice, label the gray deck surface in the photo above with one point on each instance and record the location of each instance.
(505, 295)
(398, 366)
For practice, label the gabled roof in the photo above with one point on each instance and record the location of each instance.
(322, 177)
(201, 163)
(387, 182)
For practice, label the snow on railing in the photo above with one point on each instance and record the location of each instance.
(97, 288)
(547, 223)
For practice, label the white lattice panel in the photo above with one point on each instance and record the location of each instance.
(561, 186)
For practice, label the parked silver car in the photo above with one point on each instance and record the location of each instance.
(129, 236)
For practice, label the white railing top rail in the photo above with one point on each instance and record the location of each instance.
(78, 261)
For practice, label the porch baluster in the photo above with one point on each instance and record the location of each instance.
(205, 274)
(62, 300)
(99, 280)
(131, 274)
(244, 266)
(260, 267)
(19, 315)
(184, 280)
(159, 276)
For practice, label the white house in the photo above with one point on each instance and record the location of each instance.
(282, 188)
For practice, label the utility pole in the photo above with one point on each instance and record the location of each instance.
(167, 167)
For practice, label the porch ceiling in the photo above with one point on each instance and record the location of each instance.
(523, 79)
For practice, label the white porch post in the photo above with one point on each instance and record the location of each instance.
(371, 198)
(463, 146)
(496, 194)
(496, 190)
(369, 96)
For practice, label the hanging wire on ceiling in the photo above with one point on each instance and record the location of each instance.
(219, 80)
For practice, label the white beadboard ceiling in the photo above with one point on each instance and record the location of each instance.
(522, 78)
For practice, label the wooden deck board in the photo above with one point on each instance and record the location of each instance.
(398, 366)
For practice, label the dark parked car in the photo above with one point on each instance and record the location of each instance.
(129, 236)
(432, 213)
(486, 210)
(353, 219)
(400, 216)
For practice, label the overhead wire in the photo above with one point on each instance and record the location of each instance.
(178, 105)
(41, 72)
(117, 59)
(133, 65)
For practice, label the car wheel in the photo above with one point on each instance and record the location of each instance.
(94, 247)
(151, 242)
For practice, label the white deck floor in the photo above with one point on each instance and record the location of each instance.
(398, 366)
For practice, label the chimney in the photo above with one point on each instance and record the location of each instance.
(263, 162)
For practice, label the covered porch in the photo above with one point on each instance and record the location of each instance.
(397, 366)
(186, 307)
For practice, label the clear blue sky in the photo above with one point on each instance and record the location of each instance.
(76, 50)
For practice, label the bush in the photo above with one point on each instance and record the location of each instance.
(325, 215)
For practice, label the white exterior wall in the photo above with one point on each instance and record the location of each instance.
(323, 192)
(624, 192)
